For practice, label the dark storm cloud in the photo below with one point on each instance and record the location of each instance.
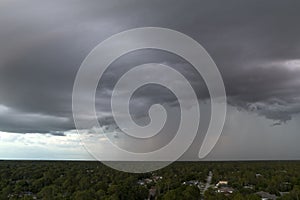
(44, 43)
(16, 121)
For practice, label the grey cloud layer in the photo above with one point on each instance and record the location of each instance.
(44, 43)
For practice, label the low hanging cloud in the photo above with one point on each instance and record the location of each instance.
(270, 89)
(20, 122)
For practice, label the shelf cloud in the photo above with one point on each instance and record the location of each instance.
(255, 45)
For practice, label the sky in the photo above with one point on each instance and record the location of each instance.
(255, 45)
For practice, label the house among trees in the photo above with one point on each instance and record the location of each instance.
(152, 193)
(266, 195)
(190, 183)
(225, 190)
(220, 183)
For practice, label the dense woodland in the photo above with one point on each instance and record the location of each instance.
(181, 180)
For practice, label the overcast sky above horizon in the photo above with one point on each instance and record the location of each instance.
(255, 44)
